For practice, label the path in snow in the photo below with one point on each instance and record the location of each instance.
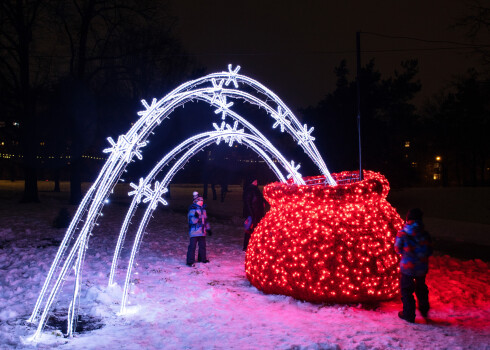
(213, 305)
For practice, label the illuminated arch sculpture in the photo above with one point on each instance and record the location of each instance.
(212, 89)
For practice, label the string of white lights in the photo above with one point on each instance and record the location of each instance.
(106, 180)
(82, 209)
(301, 134)
(204, 140)
(299, 131)
(254, 142)
(203, 95)
(281, 115)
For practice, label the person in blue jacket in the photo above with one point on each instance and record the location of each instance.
(414, 244)
(198, 228)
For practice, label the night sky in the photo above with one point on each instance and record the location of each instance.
(293, 46)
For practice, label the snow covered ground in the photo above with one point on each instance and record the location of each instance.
(211, 306)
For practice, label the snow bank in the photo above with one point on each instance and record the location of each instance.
(213, 306)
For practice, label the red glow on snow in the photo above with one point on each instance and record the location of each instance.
(322, 243)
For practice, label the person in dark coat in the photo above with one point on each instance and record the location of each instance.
(414, 244)
(198, 229)
(209, 175)
(253, 210)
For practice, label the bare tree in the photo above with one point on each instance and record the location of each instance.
(116, 46)
(477, 26)
(19, 21)
(87, 53)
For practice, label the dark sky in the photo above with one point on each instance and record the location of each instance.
(293, 46)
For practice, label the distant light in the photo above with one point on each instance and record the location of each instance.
(438, 158)
(407, 144)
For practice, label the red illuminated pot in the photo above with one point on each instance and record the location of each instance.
(321, 243)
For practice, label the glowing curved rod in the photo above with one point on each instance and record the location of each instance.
(80, 243)
(108, 177)
(233, 76)
(65, 242)
(209, 138)
(159, 111)
(303, 136)
(249, 139)
(124, 149)
(208, 95)
(170, 107)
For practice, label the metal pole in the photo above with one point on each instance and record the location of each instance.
(358, 42)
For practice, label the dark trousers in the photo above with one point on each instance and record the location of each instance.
(205, 191)
(191, 250)
(409, 285)
(246, 238)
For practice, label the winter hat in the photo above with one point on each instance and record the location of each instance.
(195, 194)
(414, 214)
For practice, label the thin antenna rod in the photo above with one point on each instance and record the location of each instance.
(358, 42)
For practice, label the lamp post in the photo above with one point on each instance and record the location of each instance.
(358, 79)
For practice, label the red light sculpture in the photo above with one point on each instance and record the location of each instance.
(327, 244)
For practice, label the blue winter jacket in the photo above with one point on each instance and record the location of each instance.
(198, 221)
(414, 244)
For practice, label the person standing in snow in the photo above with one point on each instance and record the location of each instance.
(198, 228)
(414, 245)
(253, 210)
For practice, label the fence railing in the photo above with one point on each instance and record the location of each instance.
(321, 180)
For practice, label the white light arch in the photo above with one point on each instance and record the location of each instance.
(71, 252)
(201, 140)
(161, 187)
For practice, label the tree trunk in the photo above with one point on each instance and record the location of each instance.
(76, 156)
(482, 170)
(27, 120)
(75, 179)
(30, 162)
(57, 172)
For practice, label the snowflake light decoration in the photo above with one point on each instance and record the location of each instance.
(125, 148)
(223, 107)
(305, 135)
(294, 170)
(151, 113)
(232, 78)
(139, 190)
(280, 118)
(217, 88)
(235, 136)
(144, 193)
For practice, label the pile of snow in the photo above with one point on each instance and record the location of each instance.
(213, 305)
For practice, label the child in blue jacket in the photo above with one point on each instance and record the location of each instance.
(414, 245)
(198, 228)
